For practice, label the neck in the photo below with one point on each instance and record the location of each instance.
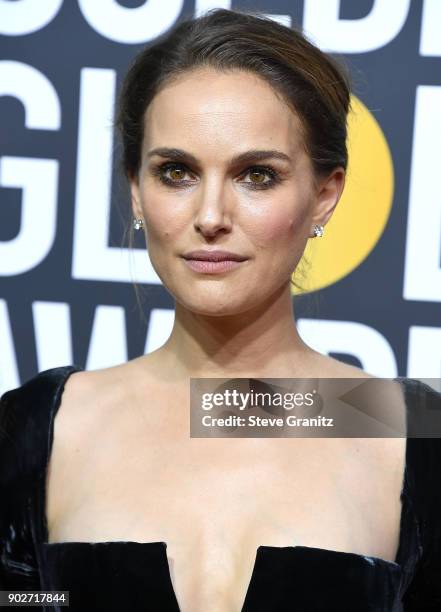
(260, 342)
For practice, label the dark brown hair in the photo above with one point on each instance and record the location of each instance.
(315, 84)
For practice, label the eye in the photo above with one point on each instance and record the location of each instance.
(175, 171)
(173, 174)
(257, 176)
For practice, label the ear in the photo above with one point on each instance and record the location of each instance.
(329, 190)
(135, 196)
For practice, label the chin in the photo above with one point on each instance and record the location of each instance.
(209, 306)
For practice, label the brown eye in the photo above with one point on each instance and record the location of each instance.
(171, 173)
(176, 174)
(259, 175)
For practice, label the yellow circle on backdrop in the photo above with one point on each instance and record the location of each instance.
(360, 216)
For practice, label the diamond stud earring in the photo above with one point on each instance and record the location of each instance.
(318, 230)
(138, 223)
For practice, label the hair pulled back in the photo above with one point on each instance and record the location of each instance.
(312, 82)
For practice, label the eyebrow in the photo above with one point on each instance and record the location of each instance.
(247, 156)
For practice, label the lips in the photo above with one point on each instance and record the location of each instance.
(206, 255)
(202, 266)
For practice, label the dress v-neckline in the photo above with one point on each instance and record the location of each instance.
(263, 552)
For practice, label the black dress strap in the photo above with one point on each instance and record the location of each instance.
(26, 414)
(424, 485)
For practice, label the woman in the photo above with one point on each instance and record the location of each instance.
(234, 139)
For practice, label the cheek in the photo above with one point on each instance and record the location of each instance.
(278, 226)
(164, 219)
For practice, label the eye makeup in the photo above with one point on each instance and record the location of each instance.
(160, 172)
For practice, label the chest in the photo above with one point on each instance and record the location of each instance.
(214, 501)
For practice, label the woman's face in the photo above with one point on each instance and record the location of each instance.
(202, 195)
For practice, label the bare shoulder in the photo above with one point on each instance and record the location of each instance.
(329, 367)
(93, 416)
(92, 398)
(84, 383)
(381, 452)
(390, 394)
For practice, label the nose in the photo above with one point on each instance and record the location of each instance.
(213, 210)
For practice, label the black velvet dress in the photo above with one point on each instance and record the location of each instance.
(135, 576)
